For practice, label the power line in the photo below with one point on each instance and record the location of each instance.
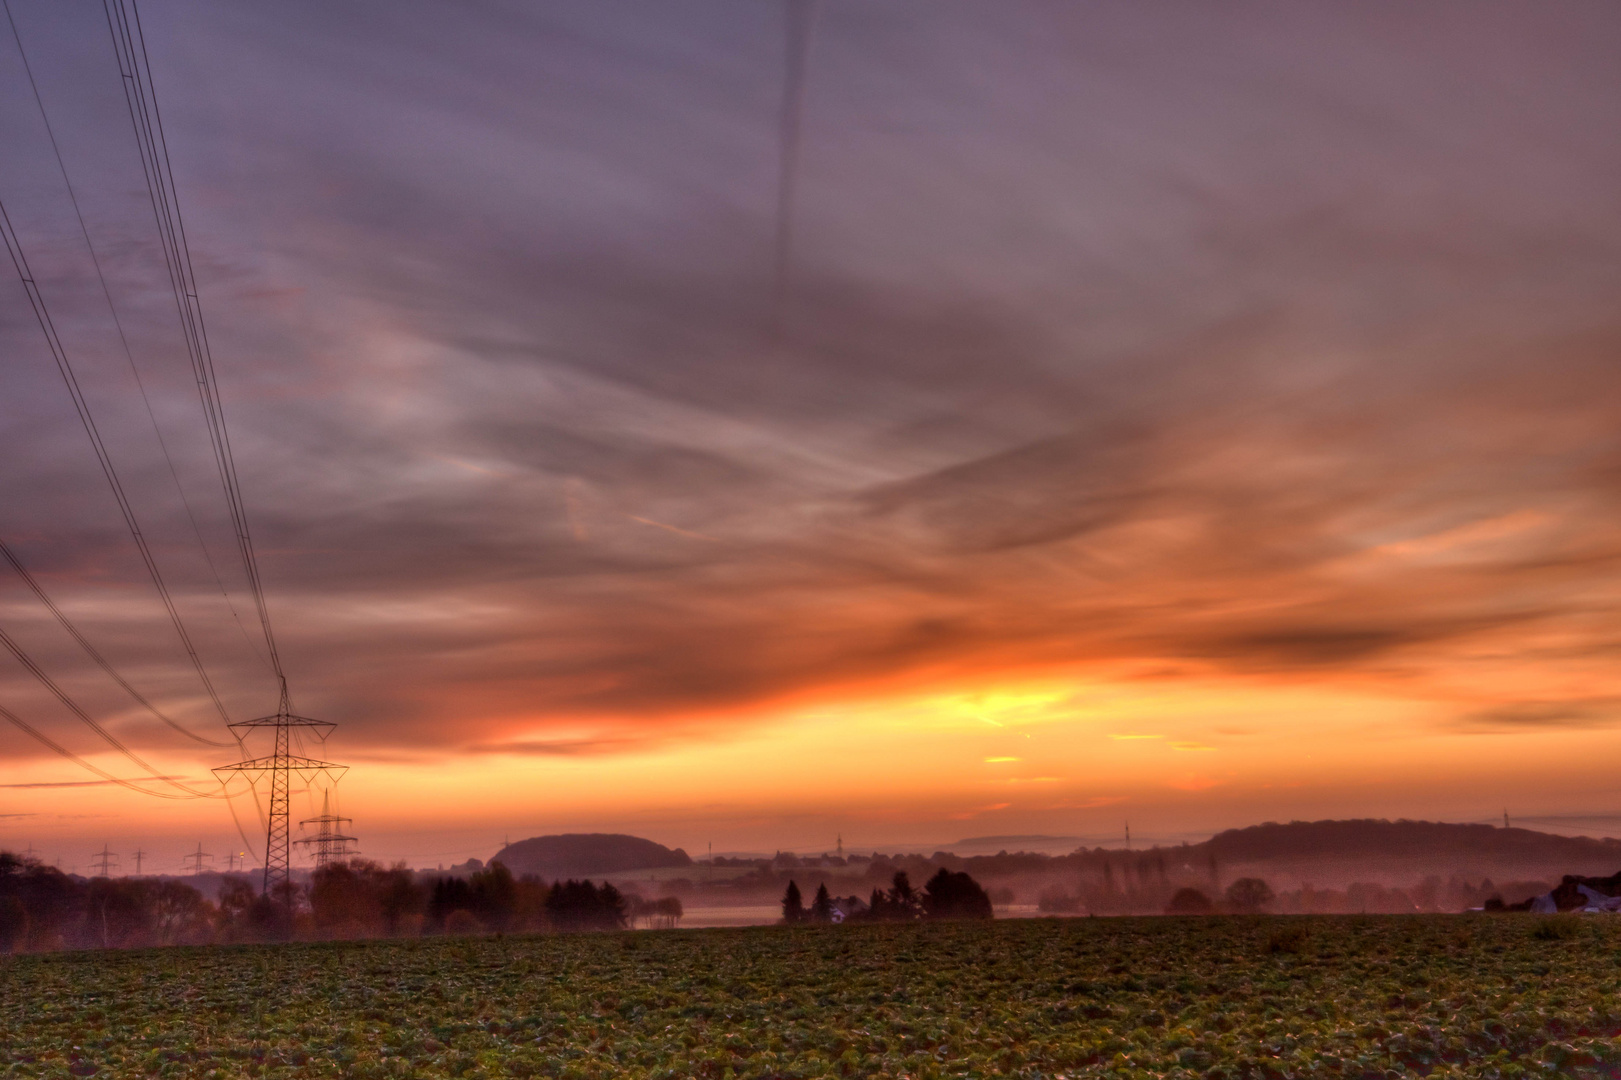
(50, 684)
(91, 651)
(118, 324)
(132, 81)
(39, 736)
(135, 69)
(64, 365)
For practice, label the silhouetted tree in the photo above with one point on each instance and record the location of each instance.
(1249, 894)
(661, 914)
(900, 903)
(494, 896)
(52, 904)
(580, 905)
(903, 896)
(449, 895)
(951, 895)
(821, 909)
(1189, 902)
(13, 923)
(360, 898)
(118, 912)
(180, 914)
(669, 912)
(793, 904)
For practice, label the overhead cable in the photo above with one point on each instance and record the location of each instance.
(129, 43)
(112, 740)
(65, 366)
(94, 653)
(41, 737)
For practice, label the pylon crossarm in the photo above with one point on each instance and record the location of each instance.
(296, 764)
(287, 720)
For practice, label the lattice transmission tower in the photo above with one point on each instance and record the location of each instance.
(329, 844)
(278, 767)
(104, 861)
(197, 858)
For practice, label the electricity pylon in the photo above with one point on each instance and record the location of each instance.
(328, 845)
(197, 858)
(278, 767)
(104, 861)
(138, 856)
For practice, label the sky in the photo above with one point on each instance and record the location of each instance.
(1177, 416)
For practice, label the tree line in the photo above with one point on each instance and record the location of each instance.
(947, 895)
(42, 908)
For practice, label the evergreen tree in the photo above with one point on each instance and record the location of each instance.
(903, 899)
(793, 904)
(821, 909)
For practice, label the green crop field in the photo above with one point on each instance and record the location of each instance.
(1490, 996)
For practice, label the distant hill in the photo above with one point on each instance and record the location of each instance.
(1402, 839)
(1325, 850)
(581, 855)
(1050, 845)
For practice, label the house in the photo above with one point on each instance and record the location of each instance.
(845, 907)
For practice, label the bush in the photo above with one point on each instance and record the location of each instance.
(1190, 902)
(1249, 895)
(462, 922)
(955, 896)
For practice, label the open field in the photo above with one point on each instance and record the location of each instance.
(1259, 996)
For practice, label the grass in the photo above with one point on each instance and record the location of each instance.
(1239, 997)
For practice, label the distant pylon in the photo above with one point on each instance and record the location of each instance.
(138, 856)
(279, 767)
(104, 861)
(328, 845)
(231, 858)
(197, 858)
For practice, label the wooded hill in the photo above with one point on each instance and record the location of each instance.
(585, 855)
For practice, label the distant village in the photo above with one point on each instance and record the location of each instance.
(581, 882)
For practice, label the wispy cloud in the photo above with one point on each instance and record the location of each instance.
(1310, 387)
